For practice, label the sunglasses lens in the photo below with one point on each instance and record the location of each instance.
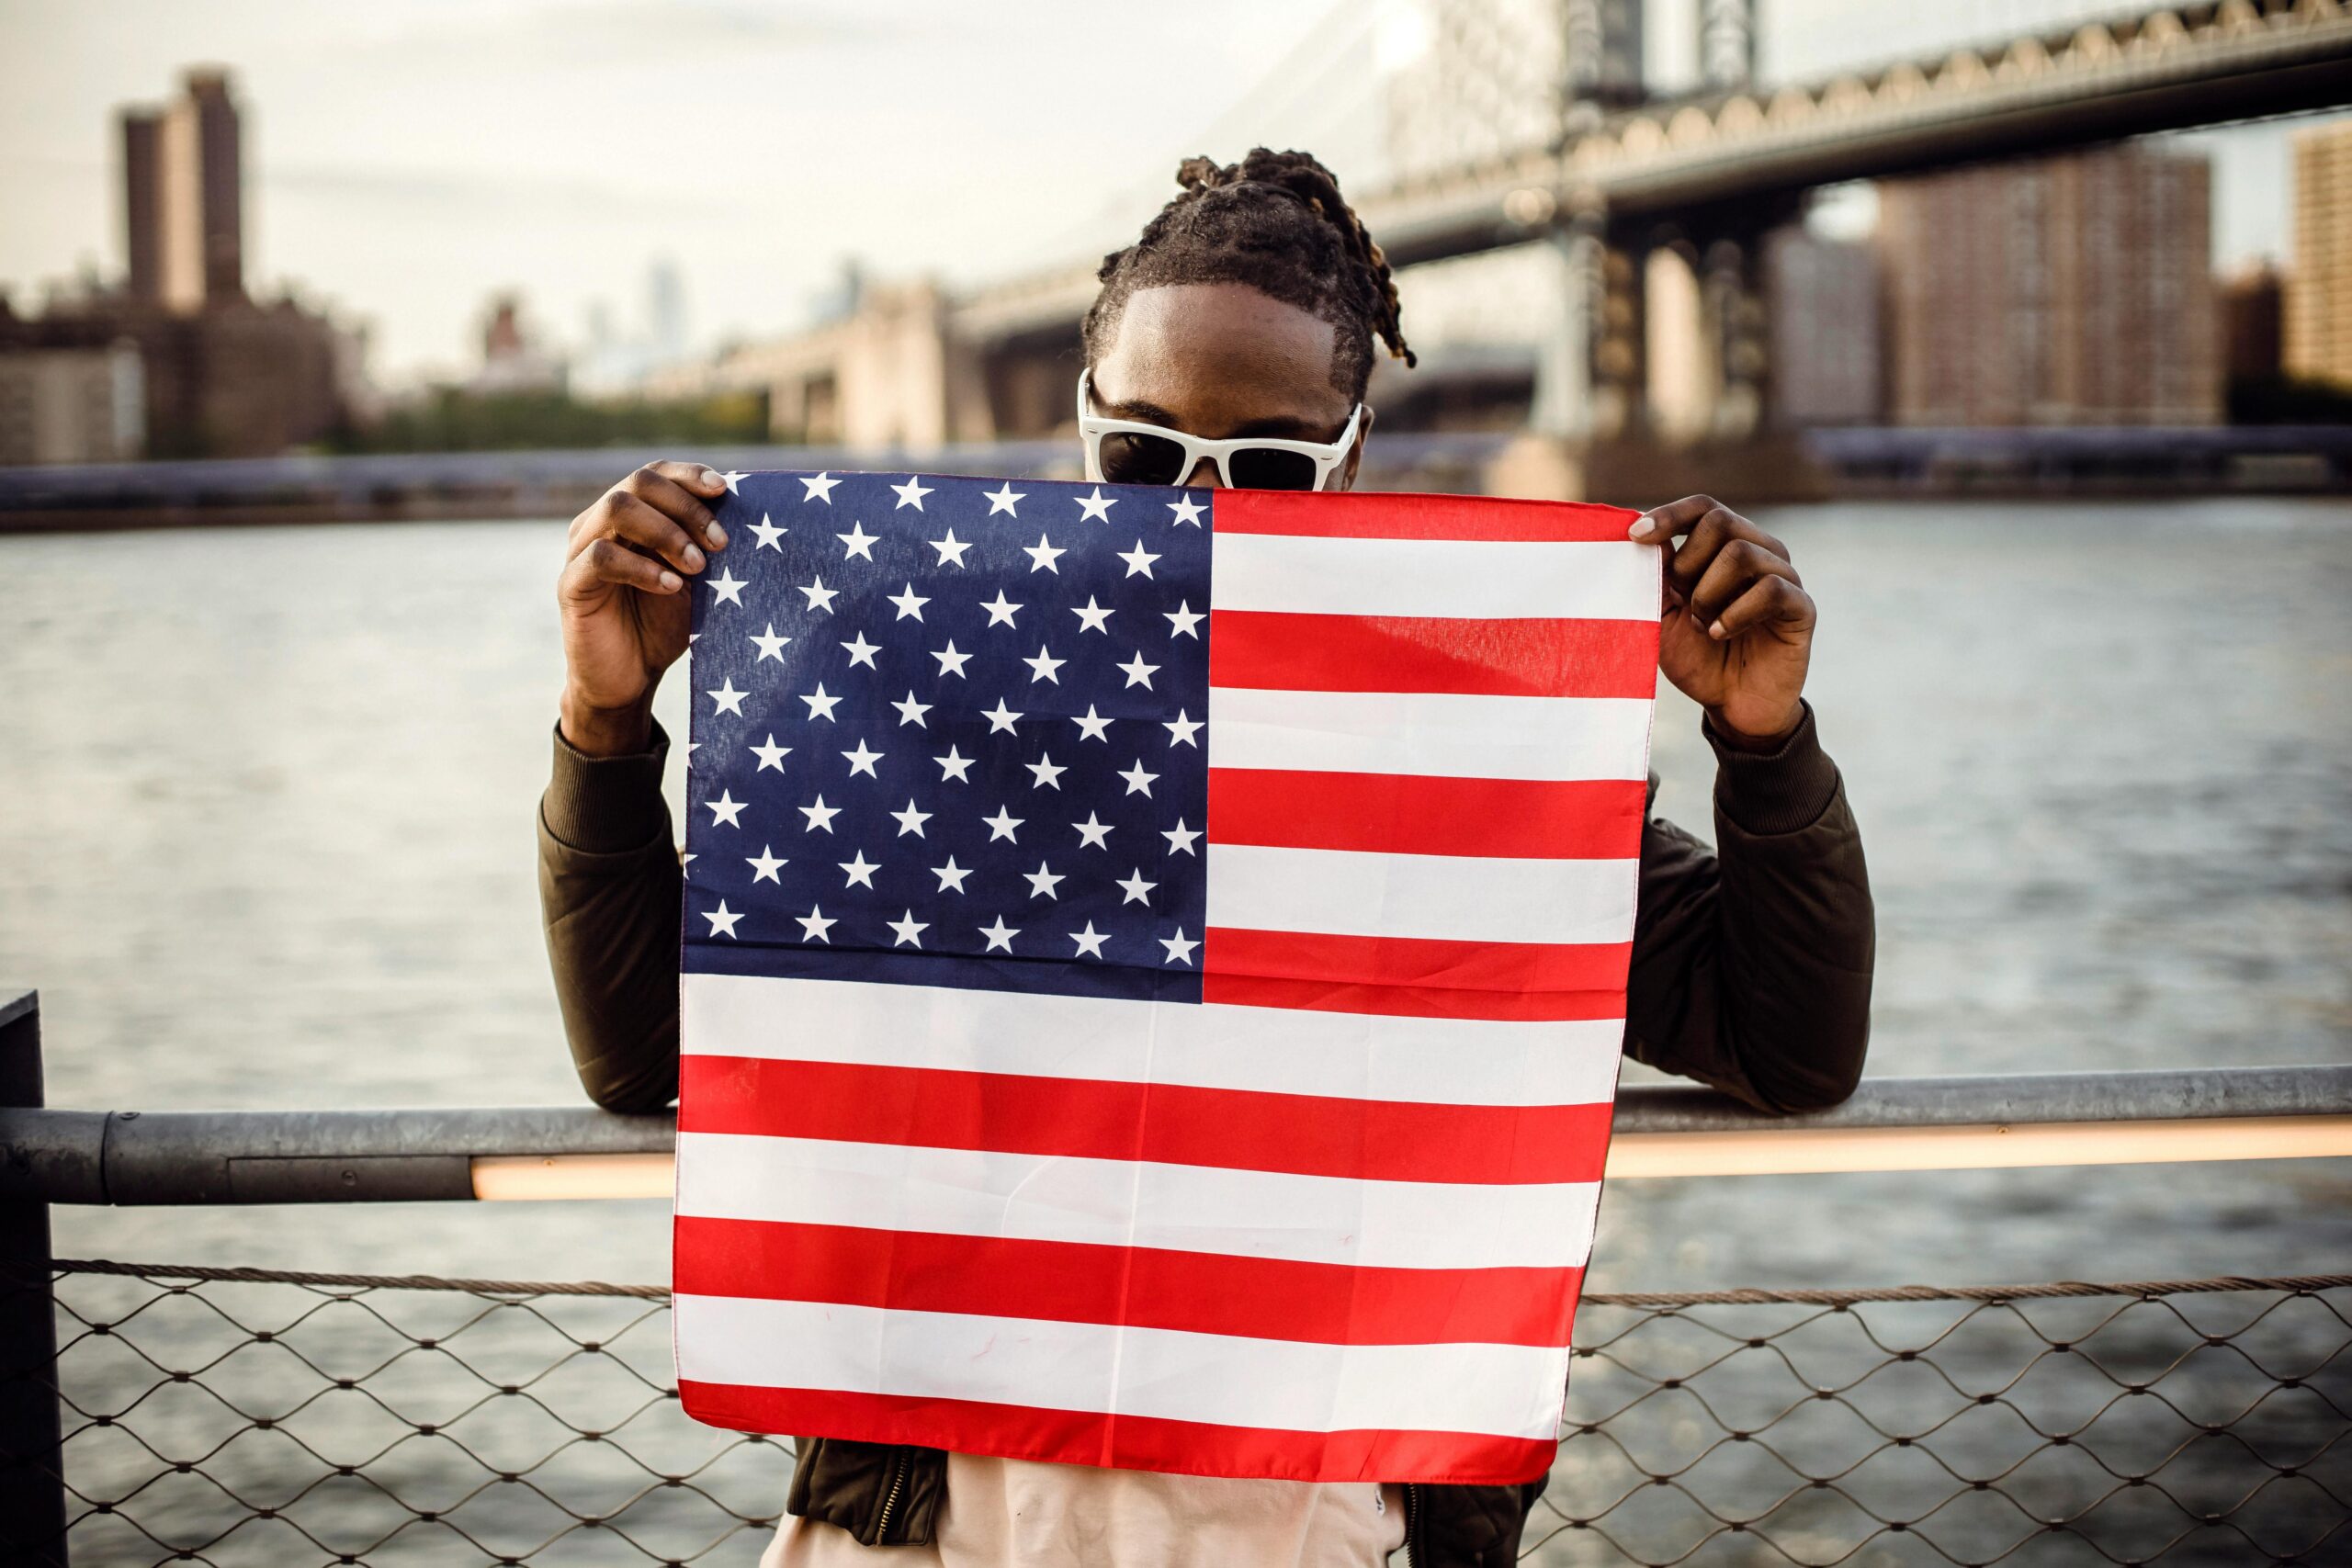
(1268, 467)
(1128, 458)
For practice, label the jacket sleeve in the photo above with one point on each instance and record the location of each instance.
(609, 880)
(1751, 965)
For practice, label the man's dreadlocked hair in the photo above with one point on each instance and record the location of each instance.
(1277, 222)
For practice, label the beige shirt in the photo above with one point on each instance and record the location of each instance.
(1000, 1511)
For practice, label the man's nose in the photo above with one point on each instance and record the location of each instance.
(1204, 476)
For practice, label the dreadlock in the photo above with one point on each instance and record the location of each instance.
(1277, 222)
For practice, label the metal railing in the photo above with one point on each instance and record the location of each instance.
(232, 1415)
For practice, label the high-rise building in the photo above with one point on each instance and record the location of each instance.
(1828, 353)
(2252, 333)
(2319, 286)
(184, 196)
(2068, 290)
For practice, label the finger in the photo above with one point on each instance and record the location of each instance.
(623, 516)
(699, 478)
(608, 563)
(1661, 523)
(660, 489)
(1685, 516)
(1736, 566)
(1771, 601)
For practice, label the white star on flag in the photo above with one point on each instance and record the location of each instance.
(815, 924)
(1044, 555)
(1182, 839)
(820, 816)
(950, 661)
(1183, 618)
(862, 760)
(1043, 881)
(819, 596)
(908, 929)
(910, 821)
(862, 651)
(734, 479)
(1092, 616)
(999, 935)
(912, 711)
(1043, 665)
(1138, 560)
(770, 755)
(1049, 773)
(768, 534)
(1090, 940)
(770, 645)
(857, 543)
(726, 809)
(819, 489)
(1097, 506)
(951, 549)
(727, 588)
(1137, 672)
(1003, 500)
(1093, 833)
(722, 919)
(909, 601)
(911, 493)
(765, 865)
(1179, 950)
(1187, 511)
(821, 705)
(951, 876)
(729, 699)
(999, 609)
(1136, 889)
(861, 871)
(1092, 726)
(954, 765)
(999, 717)
(1180, 730)
(1001, 826)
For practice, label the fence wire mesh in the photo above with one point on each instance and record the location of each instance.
(237, 1417)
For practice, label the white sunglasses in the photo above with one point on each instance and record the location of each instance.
(1129, 452)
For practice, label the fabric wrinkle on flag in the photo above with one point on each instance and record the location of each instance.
(1154, 968)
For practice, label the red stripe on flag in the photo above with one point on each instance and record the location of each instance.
(1368, 1140)
(1585, 968)
(1125, 1442)
(1499, 657)
(1196, 1292)
(1405, 814)
(1392, 517)
(1411, 1001)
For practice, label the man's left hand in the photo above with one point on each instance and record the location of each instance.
(1737, 629)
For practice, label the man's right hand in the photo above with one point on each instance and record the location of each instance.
(623, 597)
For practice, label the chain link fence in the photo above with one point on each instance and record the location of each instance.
(237, 1417)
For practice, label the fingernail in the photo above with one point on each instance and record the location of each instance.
(1640, 529)
(672, 581)
(713, 476)
(692, 556)
(716, 536)
(1716, 630)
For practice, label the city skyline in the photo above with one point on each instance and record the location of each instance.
(404, 166)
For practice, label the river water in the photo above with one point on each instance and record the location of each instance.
(266, 839)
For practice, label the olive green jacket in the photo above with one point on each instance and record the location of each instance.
(1751, 972)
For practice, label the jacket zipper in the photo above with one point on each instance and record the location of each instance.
(890, 1499)
(1412, 1522)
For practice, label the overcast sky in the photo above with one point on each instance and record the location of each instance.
(404, 158)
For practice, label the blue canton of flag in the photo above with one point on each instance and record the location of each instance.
(952, 718)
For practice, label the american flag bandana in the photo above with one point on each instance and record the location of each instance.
(1154, 968)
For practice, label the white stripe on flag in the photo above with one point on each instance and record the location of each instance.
(1167, 1374)
(1269, 1050)
(1250, 1213)
(1439, 735)
(1308, 574)
(1445, 898)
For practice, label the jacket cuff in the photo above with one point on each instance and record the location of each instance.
(605, 804)
(1780, 791)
